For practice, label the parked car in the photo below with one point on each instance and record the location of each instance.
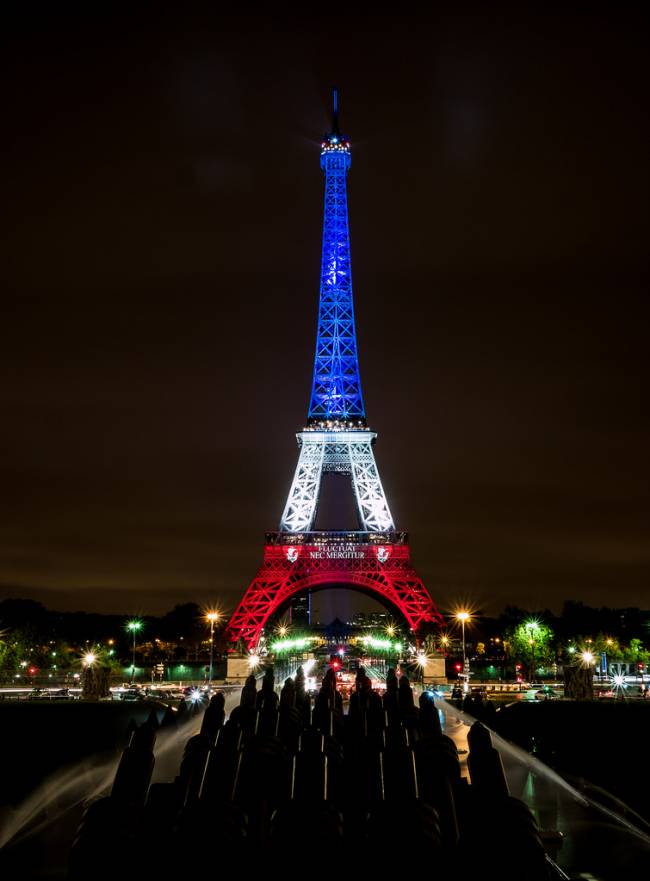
(132, 694)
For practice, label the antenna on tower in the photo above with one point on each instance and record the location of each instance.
(335, 112)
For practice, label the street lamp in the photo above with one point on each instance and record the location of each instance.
(463, 616)
(532, 629)
(531, 643)
(133, 626)
(253, 661)
(421, 661)
(212, 617)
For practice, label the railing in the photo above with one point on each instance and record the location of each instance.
(343, 537)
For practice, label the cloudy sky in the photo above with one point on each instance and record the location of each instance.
(161, 244)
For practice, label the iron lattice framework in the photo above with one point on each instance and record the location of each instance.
(375, 559)
(349, 452)
(380, 567)
(336, 388)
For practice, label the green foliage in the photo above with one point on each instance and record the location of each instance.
(531, 644)
(636, 653)
(14, 648)
(6, 655)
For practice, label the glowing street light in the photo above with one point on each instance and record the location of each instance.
(253, 661)
(89, 659)
(587, 658)
(464, 616)
(212, 616)
(421, 661)
(532, 628)
(133, 626)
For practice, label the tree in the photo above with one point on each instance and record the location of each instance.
(531, 643)
(636, 653)
(15, 649)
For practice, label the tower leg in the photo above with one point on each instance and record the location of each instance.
(371, 500)
(300, 510)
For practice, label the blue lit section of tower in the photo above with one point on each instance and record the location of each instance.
(336, 389)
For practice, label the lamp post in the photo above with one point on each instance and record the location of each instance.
(463, 616)
(212, 617)
(532, 629)
(421, 661)
(133, 626)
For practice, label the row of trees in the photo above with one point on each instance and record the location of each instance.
(533, 643)
(35, 639)
(530, 641)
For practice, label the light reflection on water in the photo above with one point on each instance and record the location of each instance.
(73, 787)
(593, 837)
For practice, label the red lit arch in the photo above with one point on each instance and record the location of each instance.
(383, 570)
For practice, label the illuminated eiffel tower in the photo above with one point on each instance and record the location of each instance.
(375, 558)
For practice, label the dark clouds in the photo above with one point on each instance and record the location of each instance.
(161, 250)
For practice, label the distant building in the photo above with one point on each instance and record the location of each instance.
(370, 620)
(300, 610)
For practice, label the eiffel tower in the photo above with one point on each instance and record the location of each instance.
(374, 558)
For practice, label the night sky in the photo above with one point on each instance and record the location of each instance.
(162, 208)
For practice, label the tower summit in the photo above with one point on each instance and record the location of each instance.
(336, 387)
(374, 558)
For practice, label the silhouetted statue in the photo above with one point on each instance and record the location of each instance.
(95, 682)
(267, 697)
(249, 693)
(391, 698)
(579, 683)
(405, 693)
(288, 694)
